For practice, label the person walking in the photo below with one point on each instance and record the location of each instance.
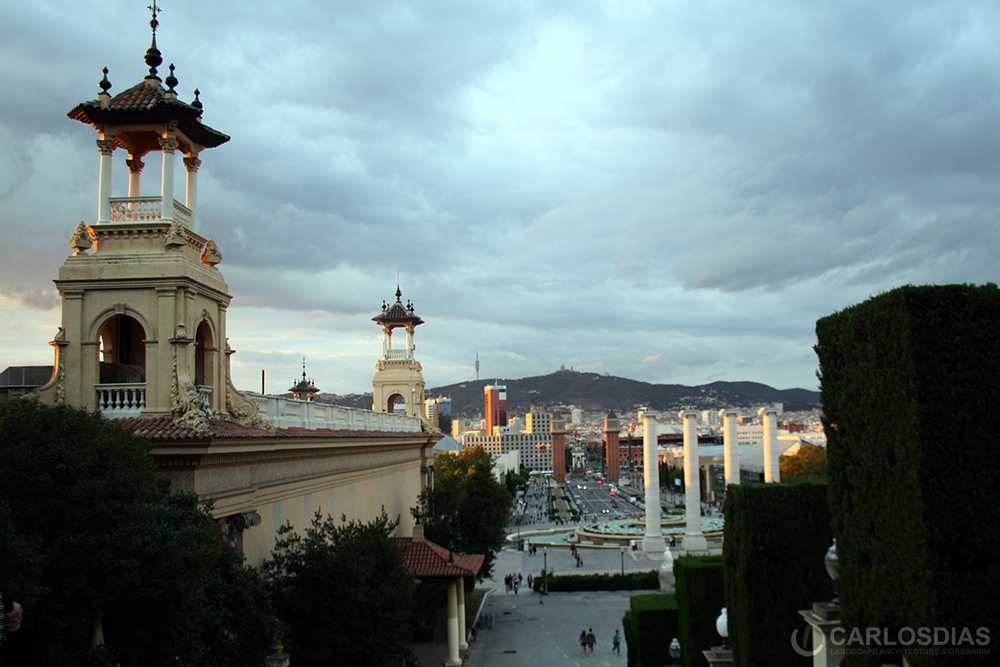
(616, 643)
(591, 640)
(583, 642)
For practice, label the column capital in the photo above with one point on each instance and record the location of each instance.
(106, 146)
(135, 164)
(169, 144)
(192, 163)
(725, 413)
(688, 414)
(768, 411)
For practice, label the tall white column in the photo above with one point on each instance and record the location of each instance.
(772, 472)
(463, 642)
(191, 194)
(653, 541)
(694, 540)
(731, 445)
(453, 658)
(135, 166)
(169, 145)
(106, 147)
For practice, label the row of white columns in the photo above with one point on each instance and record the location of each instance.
(456, 622)
(694, 538)
(168, 145)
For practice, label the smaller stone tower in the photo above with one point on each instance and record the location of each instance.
(397, 374)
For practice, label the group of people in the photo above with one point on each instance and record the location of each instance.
(512, 582)
(576, 554)
(588, 639)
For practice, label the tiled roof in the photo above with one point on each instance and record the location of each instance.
(426, 560)
(164, 428)
(397, 312)
(148, 103)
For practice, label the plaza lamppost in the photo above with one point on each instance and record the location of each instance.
(622, 550)
(545, 570)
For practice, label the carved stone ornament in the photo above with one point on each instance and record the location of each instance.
(185, 403)
(192, 163)
(81, 239)
(176, 235)
(106, 146)
(241, 409)
(60, 394)
(211, 255)
(169, 143)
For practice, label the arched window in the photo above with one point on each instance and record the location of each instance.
(204, 356)
(122, 350)
(397, 404)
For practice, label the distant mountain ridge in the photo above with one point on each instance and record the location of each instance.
(600, 393)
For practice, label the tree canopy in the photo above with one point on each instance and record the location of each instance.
(92, 533)
(342, 592)
(468, 509)
(807, 463)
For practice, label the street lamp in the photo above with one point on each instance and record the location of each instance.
(722, 627)
(545, 570)
(622, 550)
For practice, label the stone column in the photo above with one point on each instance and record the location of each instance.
(653, 541)
(463, 642)
(453, 658)
(731, 445)
(135, 165)
(611, 431)
(558, 429)
(694, 540)
(169, 145)
(191, 194)
(106, 147)
(772, 472)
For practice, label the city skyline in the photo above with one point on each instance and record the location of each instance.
(667, 192)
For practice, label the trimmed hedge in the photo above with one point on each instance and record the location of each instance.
(775, 540)
(700, 599)
(650, 624)
(571, 583)
(910, 384)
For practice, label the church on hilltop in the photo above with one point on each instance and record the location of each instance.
(144, 341)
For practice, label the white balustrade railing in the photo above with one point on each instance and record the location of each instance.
(145, 209)
(397, 354)
(118, 401)
(205, 399)
(290, 413)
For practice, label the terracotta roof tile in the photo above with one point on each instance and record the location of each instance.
(426, 560)
(164, 428)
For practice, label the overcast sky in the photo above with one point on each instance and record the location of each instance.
(672, 192)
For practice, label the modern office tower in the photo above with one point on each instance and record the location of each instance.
(496, 407)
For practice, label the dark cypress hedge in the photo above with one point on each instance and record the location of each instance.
(910, 384)
(700, 599)
(650, 624)
(775, 540)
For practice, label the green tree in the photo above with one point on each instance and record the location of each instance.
(342, 592)
(95, 534)
(807, 463)
(468, 509)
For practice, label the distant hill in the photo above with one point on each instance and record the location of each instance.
(600, 393)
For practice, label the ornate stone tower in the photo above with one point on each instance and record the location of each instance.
(397, 373)
(144, 314)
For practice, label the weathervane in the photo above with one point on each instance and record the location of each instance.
(156, 10)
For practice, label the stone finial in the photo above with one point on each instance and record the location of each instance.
(175, 235)
(211, 255)
(82, 239)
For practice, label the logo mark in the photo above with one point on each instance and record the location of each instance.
(801, 650)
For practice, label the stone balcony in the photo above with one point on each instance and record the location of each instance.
(290, 413)
(119, 401)
(146, 209)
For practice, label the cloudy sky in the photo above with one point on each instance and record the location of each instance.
(667, 191)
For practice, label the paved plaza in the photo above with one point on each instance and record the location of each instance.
(525, 632)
